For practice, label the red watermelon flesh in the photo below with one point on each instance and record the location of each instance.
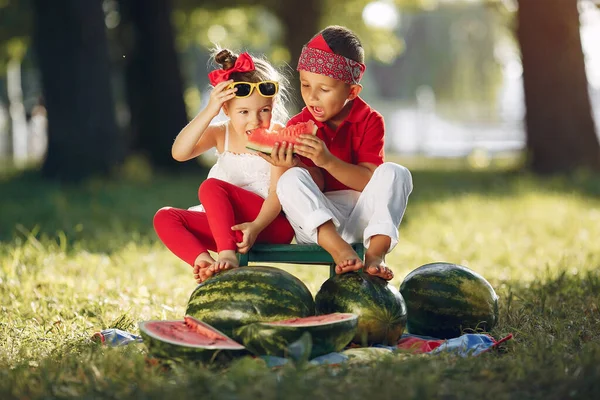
(263, 140)
(314, 320)
(189, 338)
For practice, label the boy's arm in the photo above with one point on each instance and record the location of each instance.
(354, 176)
(369, 156)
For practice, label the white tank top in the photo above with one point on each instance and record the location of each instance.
(245, 170)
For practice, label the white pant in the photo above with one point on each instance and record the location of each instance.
(377, 210)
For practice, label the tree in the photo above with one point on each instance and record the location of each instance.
(154, 87)
(72, 54)
(560, 129)
(298, 26)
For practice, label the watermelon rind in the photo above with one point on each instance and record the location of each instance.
(445, 300)
(166, 348)
(380, 307)
(265, 338)
(245, 295)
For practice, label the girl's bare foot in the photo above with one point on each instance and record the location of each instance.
(201, 265)
(227, 259)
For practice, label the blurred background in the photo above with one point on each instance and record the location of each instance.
(96, 87)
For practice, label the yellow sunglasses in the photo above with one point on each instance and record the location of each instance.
(265, 88)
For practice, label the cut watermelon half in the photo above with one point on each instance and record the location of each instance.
(330, 333)
(263, 140)
(189, 338)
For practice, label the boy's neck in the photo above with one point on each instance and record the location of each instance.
(335, 122)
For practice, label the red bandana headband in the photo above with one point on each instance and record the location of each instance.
(318, 58)
(243, 63)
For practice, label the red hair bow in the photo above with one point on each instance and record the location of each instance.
(243, 63)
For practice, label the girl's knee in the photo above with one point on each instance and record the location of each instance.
(163, 215)
(208, 186)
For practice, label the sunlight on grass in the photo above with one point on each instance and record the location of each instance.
(68, 270)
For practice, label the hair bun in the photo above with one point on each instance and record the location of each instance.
(226, 58)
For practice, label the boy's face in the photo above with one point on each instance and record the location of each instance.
(326, 97)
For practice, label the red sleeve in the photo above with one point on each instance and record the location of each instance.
(371, 147)
(294, 120)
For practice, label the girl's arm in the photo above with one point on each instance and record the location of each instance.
(198, 136)
(268, 212)
(271, 207)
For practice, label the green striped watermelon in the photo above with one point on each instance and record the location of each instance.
(188, 339)
(380, 308)
(245, 295)
(445, 299)
(329, 333)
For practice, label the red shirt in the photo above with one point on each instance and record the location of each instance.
(358, 139)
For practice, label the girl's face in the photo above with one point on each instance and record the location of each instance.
(326, 97)
(254, 111)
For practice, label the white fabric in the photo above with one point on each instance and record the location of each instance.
(377, 210)
(245, 170)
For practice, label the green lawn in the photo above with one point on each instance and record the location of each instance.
(74, 260)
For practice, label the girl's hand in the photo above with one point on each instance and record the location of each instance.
(250, 232)
(312, 147)
(219, 95)
(281, 156)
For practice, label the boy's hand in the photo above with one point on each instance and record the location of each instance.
(281, 156)
(250, 232)
(312, 147)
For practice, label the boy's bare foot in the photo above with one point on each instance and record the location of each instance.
(227, 260)
(201, 265)
(343, 254)
(375, 257)
(376, 266)
(347, 261)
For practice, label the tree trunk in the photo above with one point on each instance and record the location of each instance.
(72, 54)
(298, 32)
(153, 79)
(560, 130)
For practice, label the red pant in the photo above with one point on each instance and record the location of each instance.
(189, 233)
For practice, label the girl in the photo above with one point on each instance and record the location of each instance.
(239, 205)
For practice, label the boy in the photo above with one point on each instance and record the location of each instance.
(341, 191)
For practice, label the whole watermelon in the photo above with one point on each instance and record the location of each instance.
(245, 295)
(380, 308)
(444, 300)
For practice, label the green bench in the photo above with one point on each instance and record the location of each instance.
(294, 254)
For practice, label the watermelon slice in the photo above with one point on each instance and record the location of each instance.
(330, 333)
(262, 139)
(189, 338)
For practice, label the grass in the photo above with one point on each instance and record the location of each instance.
(77, 259)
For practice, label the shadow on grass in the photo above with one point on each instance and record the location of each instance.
(104, 214)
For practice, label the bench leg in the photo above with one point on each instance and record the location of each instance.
(331, 270)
